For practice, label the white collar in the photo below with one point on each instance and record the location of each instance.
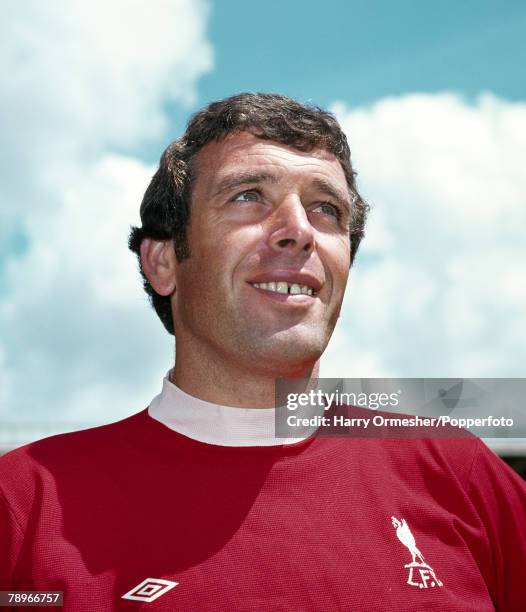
(213, 423)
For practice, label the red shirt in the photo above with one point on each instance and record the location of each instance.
(325, 524)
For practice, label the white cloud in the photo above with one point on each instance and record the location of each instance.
(83, 341)
(438, 288)
(82, 77)
(83, 84)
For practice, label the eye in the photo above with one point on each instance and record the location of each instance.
(326, 208)
(247, 196)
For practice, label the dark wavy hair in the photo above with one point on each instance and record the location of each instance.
(165, 208)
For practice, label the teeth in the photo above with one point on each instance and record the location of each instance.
(283, 287)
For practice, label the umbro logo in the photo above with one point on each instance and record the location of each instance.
(150, 589)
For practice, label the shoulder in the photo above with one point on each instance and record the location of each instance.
(427, 460)
(408, 443)
(68, 450)
(414, 447)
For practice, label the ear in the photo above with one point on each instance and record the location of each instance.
(159, 264)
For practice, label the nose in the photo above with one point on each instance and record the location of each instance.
(291, 230)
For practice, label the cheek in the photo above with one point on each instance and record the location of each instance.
(343, 272)
(338, 259)
(191, 285)
(206, 281)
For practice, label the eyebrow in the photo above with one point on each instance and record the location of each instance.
(231, 181)
(328, 189)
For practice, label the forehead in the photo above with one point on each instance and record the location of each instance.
(242, 150)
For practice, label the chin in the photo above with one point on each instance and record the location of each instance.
(292, 357)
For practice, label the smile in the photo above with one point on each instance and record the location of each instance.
(284, 287)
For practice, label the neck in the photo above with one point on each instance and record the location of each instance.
(242, 385)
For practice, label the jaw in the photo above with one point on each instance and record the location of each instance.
(281, 348)
(245, 331)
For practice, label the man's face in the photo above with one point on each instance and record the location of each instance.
(269, 255)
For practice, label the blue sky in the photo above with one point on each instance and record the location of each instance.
(361, 51)
(432, 97)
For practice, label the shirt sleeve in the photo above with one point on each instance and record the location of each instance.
(10, 543)
(499, 495)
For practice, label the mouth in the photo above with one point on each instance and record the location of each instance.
(288, 287)
(285, 288)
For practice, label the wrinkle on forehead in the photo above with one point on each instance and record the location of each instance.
(240, 140)
(219, 158)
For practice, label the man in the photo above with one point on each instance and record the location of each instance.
(249, 228)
